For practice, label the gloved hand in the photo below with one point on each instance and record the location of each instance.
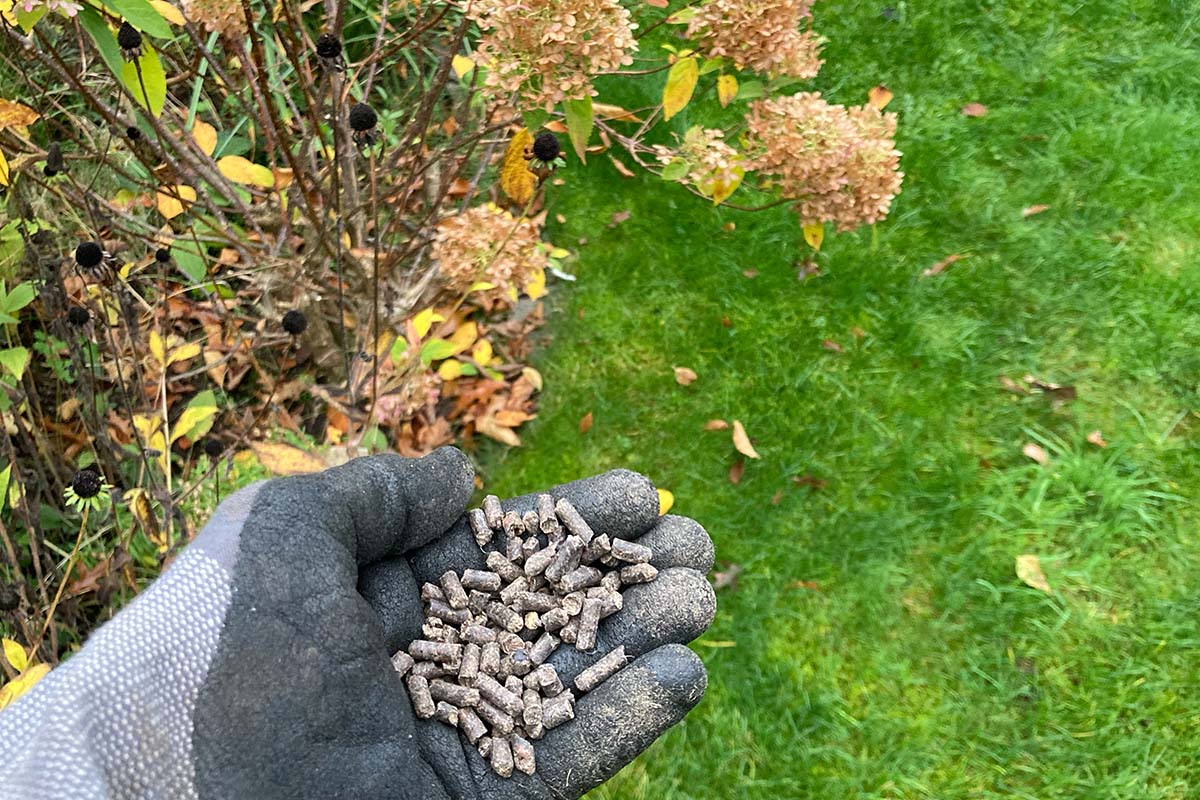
(258, 665)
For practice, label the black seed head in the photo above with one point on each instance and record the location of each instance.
(133, 133)
(9, 599)
(329, 46)
(86, 483)
(78, 316)
(49, 171)
(546, 148)
(362, 118)
(89, 255)
(162, 255)
(129, 37)
(213, 448)
(54, 160)
(294, 322)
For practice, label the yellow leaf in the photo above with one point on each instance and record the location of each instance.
(204, 134)
(244, 171)
(482, 352)
(424, 320)
(3, 169)
(464, 337)
(173, 202)
(814, 234)
(146, 426)
(511, 293)
(720, 190)
(22, 683)
(533, 376)
(481, 286)
(535, 286)
(283, 459)
(879, 97)
(665, 501)
(461, 65)
(15, 654)
(516, 180)
(170, 13)
(183, 352)
(450, 369)
(742, 442)
(489, 427)
(1029, 570)
(681, 82)
(615, 113)
(716, 643)
(157, 348)
(16, 115)
(158, 443)
(727, 89)
(194, 417)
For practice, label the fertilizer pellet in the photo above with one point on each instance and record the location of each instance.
(482, 664)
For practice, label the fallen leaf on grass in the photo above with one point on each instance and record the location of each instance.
(622, 170)
(684, 376)
(283, 459)
(879, 97)
(713, 643)
(750, 273)
(1036, 453)
(832, 346)
(735, 471)
(716, 425)
(1035, 209)
(726, 577)
(777, 497)
(974, 110)
(812, 586)
(940, 267)
(806, 270)
(585, 424)
(742, 442)
(618, 217)
(1097, 438)
(1009, 385)
(1059, 393)
(811, 481)
(1029, 570)
(665, 501)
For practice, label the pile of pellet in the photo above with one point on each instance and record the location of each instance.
(488, 633)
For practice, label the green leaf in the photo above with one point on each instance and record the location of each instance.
(27, 19)
(713, 64)
(399, 348)
(675, 170)
(103, 37)
(190, 264)
(579, 124)
(141, 15)
(197, 419)
(21, 296)
(4, 485)
(12, 248)
(681, 84)
(14, 360)
(155, 80)
(436, 349)
(535, 119)
(750, 90)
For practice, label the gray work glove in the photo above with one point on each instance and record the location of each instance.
(258, 666)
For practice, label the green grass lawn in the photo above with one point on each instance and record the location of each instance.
(916, 664)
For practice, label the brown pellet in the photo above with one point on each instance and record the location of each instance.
(557, 710)
(572, 520)
(431, 591)
(402, 662)
(493, 512)
(502, 757)
(513, 589)
(478, 634)
(502, 722)
(531, 717)
(529, 547)
(602, 670)
(596, 549)
(447, 713)
(533, 621)
(535, 601)
(472, 726)
(428, 670)
(589, 623)
(425, 650)
(638, 573)
(631, 551)
(418, 690)
(478, 601)
(611, 602)
(512, 549)
(547, 680)
(480, 579)
(469, 667)
(554, 619)
(581, 577)
(570, 632)
(513, 526)
(522, 663)
(504, 616)
(536, 563)
(573, 602)
(479, 526)
(459, 696)
(542, 648)
(507, 570)
(489, 658)
(514, 685)
(456, 596)
(566, 559)
(485, 747)
(547, 521)
(509, 642)
(530, 518)
(611, 581)
(455, 616)
(497, 695)
(522, 755)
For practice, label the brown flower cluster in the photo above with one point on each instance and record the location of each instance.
(547, 51)
(760, 35)
(221, 16)
(840, 164)
(713, 167)
(486, 243)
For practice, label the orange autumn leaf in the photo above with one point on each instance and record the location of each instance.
(585, 424)
(742, 442)
(879, 97)
(716, 425)
(684, 376)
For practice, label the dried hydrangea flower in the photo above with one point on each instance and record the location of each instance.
(486, 243)
(760, 35)
(709, 164)
(547, 51)
(840, 165)
(221, 16)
